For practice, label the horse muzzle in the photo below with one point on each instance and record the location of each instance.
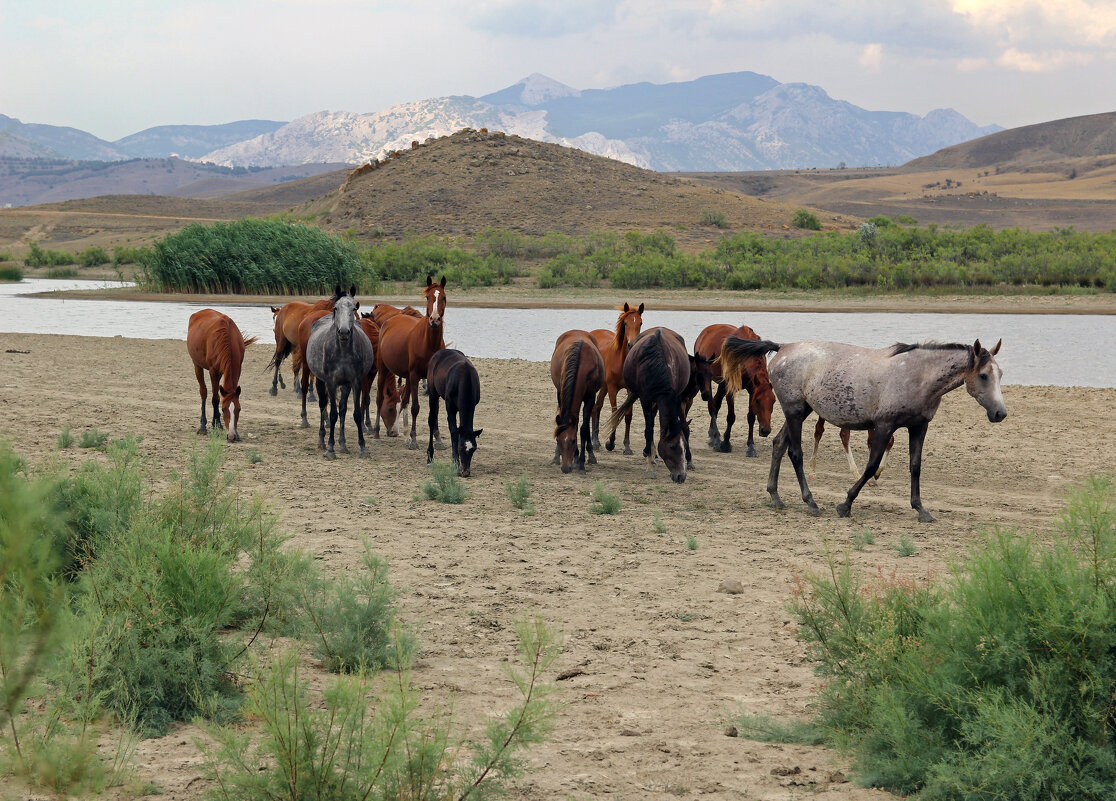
(680, 478)
(996, 415)
(764, 430)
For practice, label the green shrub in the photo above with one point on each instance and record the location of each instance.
(254, 256)
(905, 547)
(996, 684)
(93, 257)
(61, 272)
(92, 438)
(10, 272)
(806, 219)
(445, 486)
(353, 621)
(65, 439)
(519, 493)
(715, 218)
(765, 729)
(5, 256)
(367, 741)
(131, 255)
(691, 542)
(604, 502)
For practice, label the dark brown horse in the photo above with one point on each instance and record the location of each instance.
(453, 377)
(864, 389)
(288, 317)
(845, 433)
(754, 378)
(406, 345)
(614, 347)
(216, 344)
(577, 370)
(656, 373)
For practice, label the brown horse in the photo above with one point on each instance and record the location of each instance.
(614, 347)
(389, 409)
(288, 317)
(754, 378)
(861, 388)
(298, 356)
(216, 344)
(819, 429)
(656, 373)
(406, 345)
(577, 370)
(382, 312)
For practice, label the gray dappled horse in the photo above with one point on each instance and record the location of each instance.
(866, 389)
(339, 355)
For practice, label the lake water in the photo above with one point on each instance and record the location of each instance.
(1059, 349)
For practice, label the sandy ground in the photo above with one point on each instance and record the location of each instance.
(661, 655)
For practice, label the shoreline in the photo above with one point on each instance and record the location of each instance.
(666, 300)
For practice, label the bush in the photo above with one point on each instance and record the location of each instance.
(714, 218)
(10, 272)
(131, 255)
(519, 493)
(806, 219)
(254, 256)
(997, 684)
(367, 742)
(93, 257)
(604, 502)
(445, 487)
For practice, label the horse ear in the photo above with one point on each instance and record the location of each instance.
(357, 306)
(238, 392)
(641, 308)
(478, 432)
(976, 348)
(429, 279)
(626, 307)
(337, 291)
(996, 349)
(352, 290)
(557, 419)
(443, 282)
(221, 391)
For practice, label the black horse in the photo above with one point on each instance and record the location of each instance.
(339, 355)
(451, 375)
(656, 373)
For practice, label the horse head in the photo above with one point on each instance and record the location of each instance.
(565, 434)
(435, 301)
(983, 381)
(467, 447)
(762, 400)
(230, 411)
(701, 367)
(672, 447)
(628, 326)
(389, 408)
(344, 316)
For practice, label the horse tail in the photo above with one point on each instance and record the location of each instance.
(250, 341)
(280, 353)
(735, 351)
(621, 411)
(569, 380)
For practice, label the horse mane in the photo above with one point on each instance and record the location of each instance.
(569, 381)
(621, 321)
(903, 347)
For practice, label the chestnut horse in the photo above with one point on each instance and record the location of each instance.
(406, 345)
(614, 347)
(389, 409)
(216, 344)
(577, 370)
(453, 377)
(382, 312)
(761, 398)
(819, 429)
(298, 356)
(288, 317)
(656, 373)
(864, 389)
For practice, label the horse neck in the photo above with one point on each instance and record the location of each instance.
(945, 369)
(433, 337)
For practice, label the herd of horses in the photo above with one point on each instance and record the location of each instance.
(337, 351)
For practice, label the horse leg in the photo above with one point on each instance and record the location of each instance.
(332, 400)
(587, 434)
(648, 432)
(887, 452)
(794, 447)
(322, 401)
(305, 383)
(751, 449)
(278, 359)
(432, 423)
(215, 379)
(686, 443)
(453, 419)
(730, 418)
(597, 406)
(611, 443)
(875, 456)
(714, 410)
(359, 413)
(819, 429)
(306, 368)
(412, 390)
(917, 437)
(342, 407)
(846, 435)
(778, 448)
(200, 373)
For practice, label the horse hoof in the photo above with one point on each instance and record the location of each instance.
(610, 446)
(777, 502)
(752, 453)
(592, 459)
(844, 509)
(815, 511)
(412, 445)
(273, 391)
(203, 430)
(364, 453)
(628, 451)
(304, 424)
(689, 465)
(726, 446)
(715, 443)
(925, 517)
(439, 445)
(330, 455)
(342, 449)
(596, 443)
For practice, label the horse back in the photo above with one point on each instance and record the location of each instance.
(658, 364)
(451, 375)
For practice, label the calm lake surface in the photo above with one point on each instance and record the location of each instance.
(1063, 350)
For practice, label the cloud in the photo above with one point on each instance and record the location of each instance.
(871, 57)
(542, 19)
(1043, 62)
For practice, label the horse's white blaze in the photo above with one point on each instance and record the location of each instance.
(469, 446)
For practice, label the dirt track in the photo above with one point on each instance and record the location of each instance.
(663, 655)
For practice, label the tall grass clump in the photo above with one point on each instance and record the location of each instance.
(519, 493)
(367, 740)
(254, 256)
(604, 502)
(445, 486)
(997, 683)
(10, 272)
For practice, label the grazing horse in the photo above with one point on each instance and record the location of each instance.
(577, 370)
(614, 347)
(215, 344)
(819, 429)
(406, 345)
(761, 398)
(340, 356)
(656, 373)
(452, 376)
(288, 317)
(862, 388)
(701, 381)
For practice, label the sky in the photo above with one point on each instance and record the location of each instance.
(115, 67)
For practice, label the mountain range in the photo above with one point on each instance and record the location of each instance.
(734, 121)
